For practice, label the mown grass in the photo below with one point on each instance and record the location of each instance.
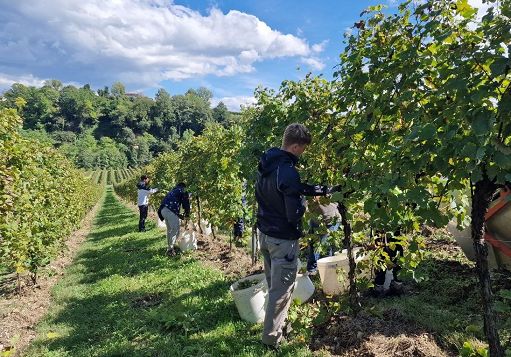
(123, 297)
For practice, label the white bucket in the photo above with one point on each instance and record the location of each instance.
(333, 272)
(187, 241)
(205, 227)
(160, 224)
(251, 302)
(304, 288)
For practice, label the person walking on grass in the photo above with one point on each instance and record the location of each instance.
(279, 194)
(169, 211)
(144, 191)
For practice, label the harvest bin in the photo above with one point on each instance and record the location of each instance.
(333, 272)
(251, 302)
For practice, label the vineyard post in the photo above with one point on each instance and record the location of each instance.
(353, 294)
(482, 194)
(254, 235)
(198, 214)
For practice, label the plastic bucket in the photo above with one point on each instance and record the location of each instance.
(160, 224)
(187, 241)
(206, 227)
(251, 302)
(304, 288)
(333, 272)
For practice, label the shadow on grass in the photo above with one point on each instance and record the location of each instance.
(100, 304)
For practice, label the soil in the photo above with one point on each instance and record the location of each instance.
(20, 312)
(147, 301)
(373, 336)
(235, 263)
(389, 334)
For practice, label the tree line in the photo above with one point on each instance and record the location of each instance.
(110, 128)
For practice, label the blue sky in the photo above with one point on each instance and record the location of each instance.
(314, 21)
(228, 46)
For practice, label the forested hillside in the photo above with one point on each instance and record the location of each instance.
(110, 128)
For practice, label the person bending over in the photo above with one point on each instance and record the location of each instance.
(169, 211)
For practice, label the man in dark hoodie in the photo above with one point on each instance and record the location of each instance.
(144, 191)
(279, 194)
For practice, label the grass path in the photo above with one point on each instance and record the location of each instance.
(123, 297)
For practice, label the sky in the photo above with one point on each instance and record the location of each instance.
(228, 46)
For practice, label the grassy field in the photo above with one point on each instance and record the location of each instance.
(123, 296)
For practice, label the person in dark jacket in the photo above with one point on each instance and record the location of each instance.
(169, 211)
(279, 194)
(144, 191)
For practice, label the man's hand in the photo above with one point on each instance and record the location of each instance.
(181, 216)
(333, 189)
(160, 216)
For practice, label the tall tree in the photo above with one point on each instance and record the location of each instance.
(221, 114)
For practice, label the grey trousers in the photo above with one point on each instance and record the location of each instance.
(280, 268)
(172, 223)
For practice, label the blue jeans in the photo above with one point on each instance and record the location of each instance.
(313, 255)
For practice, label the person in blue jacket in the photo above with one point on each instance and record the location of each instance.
(169, 211)
(279, 194)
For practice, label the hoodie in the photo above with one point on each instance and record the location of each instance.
(176, 198)
(279, 194)
(143, 193)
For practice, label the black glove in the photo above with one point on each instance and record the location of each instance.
(160, 216)
(333, 189)
(181, 216)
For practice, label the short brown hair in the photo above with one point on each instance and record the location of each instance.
(296, 134)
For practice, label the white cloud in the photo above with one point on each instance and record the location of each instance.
(234, 103)
(319, 47)
(139, 42)
(313, 63)
(6, 80)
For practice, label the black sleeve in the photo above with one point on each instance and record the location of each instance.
(288, 183)
(313, 190)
